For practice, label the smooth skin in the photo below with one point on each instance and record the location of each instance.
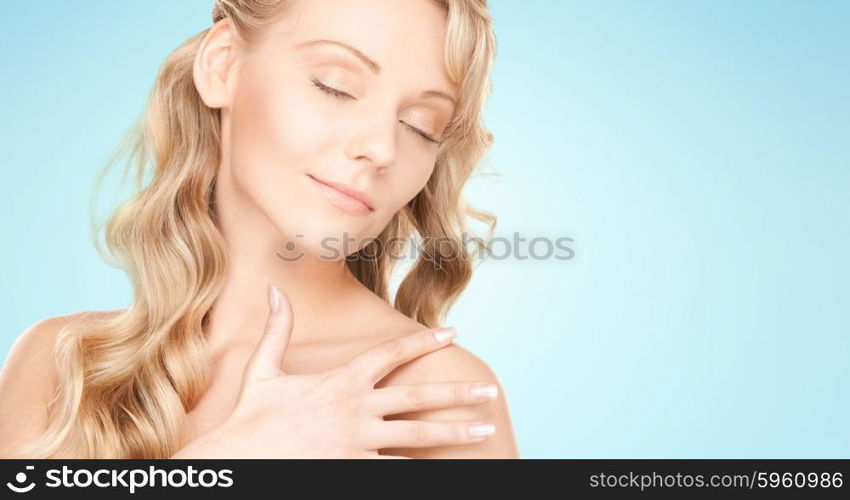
(280, 415)
(278, 126)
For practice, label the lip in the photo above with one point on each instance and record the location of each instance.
(351, 200)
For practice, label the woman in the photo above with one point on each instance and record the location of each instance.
(293, 145)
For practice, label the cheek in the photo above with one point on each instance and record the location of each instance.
(273, 139)
(273, 129)
(276, 135)
(408, 181)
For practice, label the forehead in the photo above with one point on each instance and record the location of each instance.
(405, 37)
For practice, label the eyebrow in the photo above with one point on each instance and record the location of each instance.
(371, 64)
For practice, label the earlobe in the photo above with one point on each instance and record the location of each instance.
(212, 66)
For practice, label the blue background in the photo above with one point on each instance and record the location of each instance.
(697, 152)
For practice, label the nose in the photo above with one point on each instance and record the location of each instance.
(375, 142)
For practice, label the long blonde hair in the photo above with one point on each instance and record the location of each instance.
(127, 380)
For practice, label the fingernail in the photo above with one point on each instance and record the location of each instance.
(274, 298)
(484, 391)
(482, 429)
(444, 334)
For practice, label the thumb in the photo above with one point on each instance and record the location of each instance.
(268, 355)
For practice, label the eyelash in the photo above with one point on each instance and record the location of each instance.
(336, 93)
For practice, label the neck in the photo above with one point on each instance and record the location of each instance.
(258, 257)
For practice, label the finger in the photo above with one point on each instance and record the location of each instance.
(268, 355)
(421, 434)
(378, 361)
(404, 398)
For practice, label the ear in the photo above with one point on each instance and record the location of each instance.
(214, 67)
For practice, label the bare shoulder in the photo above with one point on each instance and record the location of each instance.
(38, 339)
(453, 361)
(32, 351)
(456, 363)
(29, 376)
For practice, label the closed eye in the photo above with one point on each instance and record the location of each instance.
(328, 90)
(342, 95)
(423, 134)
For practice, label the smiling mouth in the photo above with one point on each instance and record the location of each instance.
(344, 198)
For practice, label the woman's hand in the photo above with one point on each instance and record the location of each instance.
(337, 413)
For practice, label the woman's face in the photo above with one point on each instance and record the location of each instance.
(307, 111)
